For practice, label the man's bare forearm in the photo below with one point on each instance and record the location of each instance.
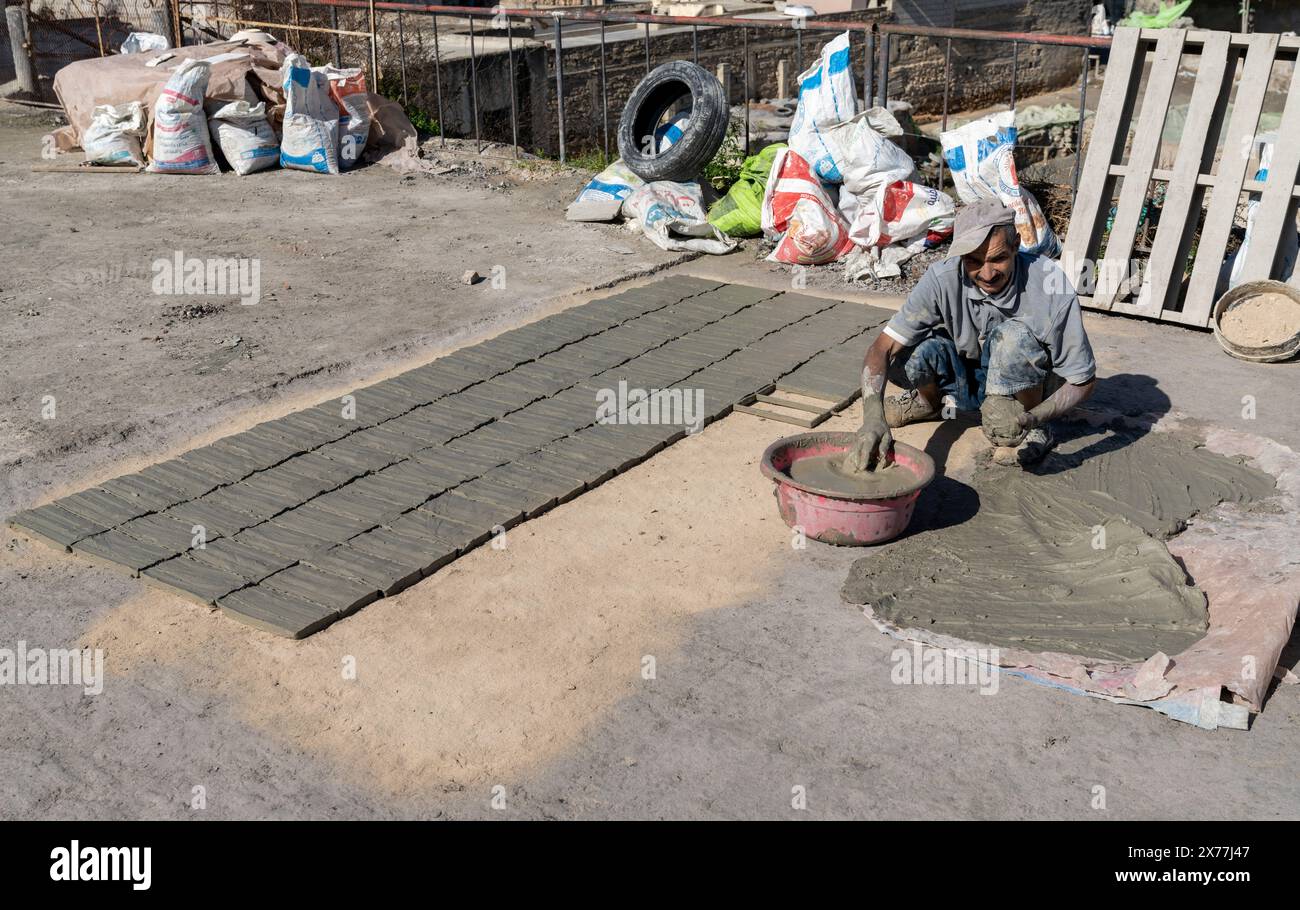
(874, 369)
(1061, 402)
(875, 443)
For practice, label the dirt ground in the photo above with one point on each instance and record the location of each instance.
(520, 674)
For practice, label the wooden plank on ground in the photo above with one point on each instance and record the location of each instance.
(1183, 195)
(1114, 270)
(1277, 204)
(1109, 132)
(1236, 153)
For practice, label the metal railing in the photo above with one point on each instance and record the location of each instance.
(321, 28)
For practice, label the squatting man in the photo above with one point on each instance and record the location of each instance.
(991, 329)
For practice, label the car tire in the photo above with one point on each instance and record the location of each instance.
(656, 94)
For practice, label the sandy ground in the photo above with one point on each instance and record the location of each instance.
(519, 674)
(356, 274)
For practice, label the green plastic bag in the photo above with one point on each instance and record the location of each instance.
(1159, 19)
(740, 212)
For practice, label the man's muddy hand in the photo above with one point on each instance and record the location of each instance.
(873, 449)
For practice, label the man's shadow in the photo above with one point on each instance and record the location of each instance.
(1123, 408)
(1131, 401)
(946, 501)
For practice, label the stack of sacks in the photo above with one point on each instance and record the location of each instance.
(844, 187)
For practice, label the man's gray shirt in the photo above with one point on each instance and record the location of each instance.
(1038, 295)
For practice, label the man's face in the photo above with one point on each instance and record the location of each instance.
(990, 267)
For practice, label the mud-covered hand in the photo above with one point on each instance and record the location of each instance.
(874, 447)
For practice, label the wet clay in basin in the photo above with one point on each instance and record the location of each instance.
(829, 474)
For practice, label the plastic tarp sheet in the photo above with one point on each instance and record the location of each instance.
(1247, 561)
(740, 212)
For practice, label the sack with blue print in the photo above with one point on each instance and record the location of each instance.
(602, 198)
(114, 134)
(865, 155)
(309, 140)
(826, 97)
(244, 136)
(348, 89)
(672, 216)
(981, 156)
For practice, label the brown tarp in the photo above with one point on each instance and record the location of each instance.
(252, 75)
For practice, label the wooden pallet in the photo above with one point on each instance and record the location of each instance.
(778, 405)
(1206, 175)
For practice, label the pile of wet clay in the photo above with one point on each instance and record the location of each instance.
(1068, 558)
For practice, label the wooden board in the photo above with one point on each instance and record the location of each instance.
(1109, 130)
(1206, 179)
(1184, 192)
(1235, 156)
(1277, 204)
(1114, 269)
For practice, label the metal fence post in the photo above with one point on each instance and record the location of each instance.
(473, 86)
(947, 73)
(401, 50)
(176, 23)
(338, 47)
(99, 28)
(514, 106)
(374, 45)
(604, 91)
(869, 69)
(559, 81)
(647, 48)
(883, 97)
(745, 46)
(1078, 138)
(1015, 64)
(437, 82)
(297, 21)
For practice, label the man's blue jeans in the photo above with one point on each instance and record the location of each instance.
(1011, 360)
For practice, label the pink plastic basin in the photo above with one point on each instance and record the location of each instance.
(829, 516)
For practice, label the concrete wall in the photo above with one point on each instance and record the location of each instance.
(625, 67)
(981, 70)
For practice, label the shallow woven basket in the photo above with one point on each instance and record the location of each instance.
(1268, 354)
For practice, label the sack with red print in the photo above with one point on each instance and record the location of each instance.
(903, 211)
(181, 144)
(800, 215)
(348, 89)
